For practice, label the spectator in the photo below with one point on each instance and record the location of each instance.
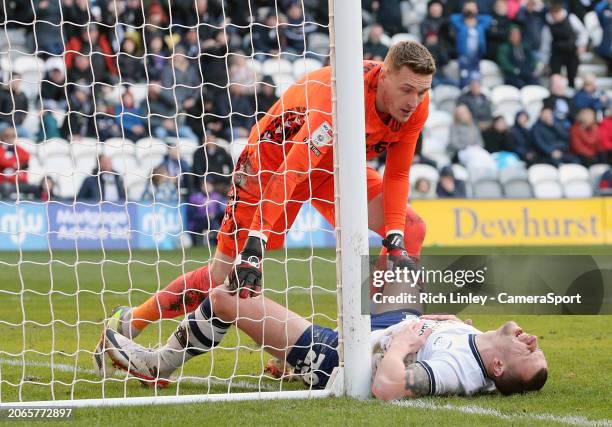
(266, 96)
(422, 189)
(497, 136)
(590, 97)
(374, 49)
(47, 26)
(191, 43)
(604, 14)
(435, 22)
(497, 34)
(569, 40)
(440, 55)
(14, 106)
(478, 103)
(161, 116)
(156, 23)
(470, 39)
(212, 164)
(531, 17)
(448, 186)
(79, 72)
(177, 168)
(79, 119)
(181, 87)
(605, 132)
(157, 58)
(585, 141)
(162, 188)
(551, 139)
(13, 162)
(104, 185)
(204, 213)
(522, 139)
(605, 183)
(298, 29)
(53, 86)
(130, 118)
(46, 190)
(265, 39)
(517, 61)
(90, 42)
(463, 132)
(107, 122)
(558, 101)
(389, 14)
(131, 64)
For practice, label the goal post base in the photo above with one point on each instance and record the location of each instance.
(169, 400)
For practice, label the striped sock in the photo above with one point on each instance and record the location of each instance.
(197, 334)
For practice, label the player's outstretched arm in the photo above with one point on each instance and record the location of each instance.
(393, 379)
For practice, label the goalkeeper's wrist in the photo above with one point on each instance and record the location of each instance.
(393, 241)
(254, 246)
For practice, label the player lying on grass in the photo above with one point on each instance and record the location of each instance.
(289, 161)
(412, 356)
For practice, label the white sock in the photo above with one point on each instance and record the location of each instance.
(197, 334)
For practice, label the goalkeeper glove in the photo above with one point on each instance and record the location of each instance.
(396, 253)
(246, 274)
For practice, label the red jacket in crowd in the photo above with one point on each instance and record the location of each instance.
(584, 142)
(13, 164)
(605, 133)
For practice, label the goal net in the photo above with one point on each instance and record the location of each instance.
(125, 120)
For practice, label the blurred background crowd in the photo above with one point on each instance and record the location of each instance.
(115, 100)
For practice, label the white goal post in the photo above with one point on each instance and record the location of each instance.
(353, 376)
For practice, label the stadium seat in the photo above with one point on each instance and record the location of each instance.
(596, 171)
(515, 181)
(139, 92)
(236, 148)
(428, 172)
(433, 147)
(576, 181)
(403, 37)
(186, 147)
(275, 66)
(150, 152)
(318, 43)
(36, 171)
(451, 70)
(304, 66)
(485, 183)
(438, 126)
(282, 82)
(462, 174)
(136, 185)
(604, 83)
(51, 147)
(591, 22)
(544, 180)
(490, 73)
(112, 146)
(32, 71)
(532, 97)
(445, 97)
(28, 145)
(506, 102)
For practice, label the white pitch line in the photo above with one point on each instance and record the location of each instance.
(477, 410)
(62, 367)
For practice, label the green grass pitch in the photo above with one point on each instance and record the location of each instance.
(64, 298)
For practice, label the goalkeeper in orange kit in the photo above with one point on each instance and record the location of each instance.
(289, 161)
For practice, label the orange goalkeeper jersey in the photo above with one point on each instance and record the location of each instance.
(291, 146)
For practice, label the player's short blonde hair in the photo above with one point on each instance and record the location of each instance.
(412, 55)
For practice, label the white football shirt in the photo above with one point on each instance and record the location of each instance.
(449, 356)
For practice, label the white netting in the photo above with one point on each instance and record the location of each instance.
(129, 117)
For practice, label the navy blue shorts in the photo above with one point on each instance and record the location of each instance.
(314, 355)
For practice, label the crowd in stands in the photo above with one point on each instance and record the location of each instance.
(203, 71)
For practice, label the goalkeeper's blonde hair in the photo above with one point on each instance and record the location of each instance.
(412, 55)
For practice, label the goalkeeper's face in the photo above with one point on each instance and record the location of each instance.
(403, 91)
